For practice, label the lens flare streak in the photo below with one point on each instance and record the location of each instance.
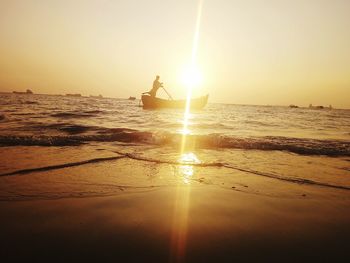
(182, 199)
(191, 83)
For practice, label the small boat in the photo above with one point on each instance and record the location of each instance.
(157, 103)
(73, 95)
(28, 91)
(320, 107)
(132, 98)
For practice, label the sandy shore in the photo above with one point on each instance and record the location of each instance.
(158, 226)
(127, 210)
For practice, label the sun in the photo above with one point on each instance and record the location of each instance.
(191, 77)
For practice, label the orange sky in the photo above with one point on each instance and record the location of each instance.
(253, 52)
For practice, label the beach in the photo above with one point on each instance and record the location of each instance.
(134, 210)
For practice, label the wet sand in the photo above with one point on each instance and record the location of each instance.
(153, 215)
(144, 227)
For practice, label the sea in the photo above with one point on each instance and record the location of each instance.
(300, 145)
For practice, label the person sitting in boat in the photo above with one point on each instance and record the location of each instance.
(156, 85)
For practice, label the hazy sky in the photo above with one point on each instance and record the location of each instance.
(251, 51)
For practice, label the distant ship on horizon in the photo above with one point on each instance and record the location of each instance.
(28, 91)
(320, 107)
(73, 95)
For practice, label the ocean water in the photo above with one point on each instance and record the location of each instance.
(298, 145)
(60, 120)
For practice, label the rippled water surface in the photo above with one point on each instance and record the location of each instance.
(52, 133)
(61, 120)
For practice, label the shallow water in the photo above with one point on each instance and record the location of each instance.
(50, 133)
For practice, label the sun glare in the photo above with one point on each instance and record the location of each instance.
(191, 77)
(187, 160)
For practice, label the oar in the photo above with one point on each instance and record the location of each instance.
(168, 93)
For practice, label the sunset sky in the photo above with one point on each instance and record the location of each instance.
(253, 52)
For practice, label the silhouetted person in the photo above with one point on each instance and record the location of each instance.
(156, 85)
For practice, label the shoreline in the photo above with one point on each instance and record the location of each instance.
(129, 210)
(108, 202)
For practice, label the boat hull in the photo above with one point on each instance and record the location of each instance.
(157, 103)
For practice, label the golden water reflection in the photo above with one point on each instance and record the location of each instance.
(186, 168)
(186, 123)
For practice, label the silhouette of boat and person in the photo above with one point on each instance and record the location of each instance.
(150, 101)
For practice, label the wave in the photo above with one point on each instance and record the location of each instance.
(30, 102)
(72, 115)
(74, 135)
(279, 143)
(74, 140)
(122, 155)
(61, 166)
(258, 173)
(93, 112)
(74, 129)
(3, 117)
(19, 102)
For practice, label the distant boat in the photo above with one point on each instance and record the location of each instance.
(157, 103)
(28, 91)
(132, 98)
(73, 95)
(320, 107)
(293, 106)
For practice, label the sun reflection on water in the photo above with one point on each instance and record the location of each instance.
(185, 131)
(186, 168)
